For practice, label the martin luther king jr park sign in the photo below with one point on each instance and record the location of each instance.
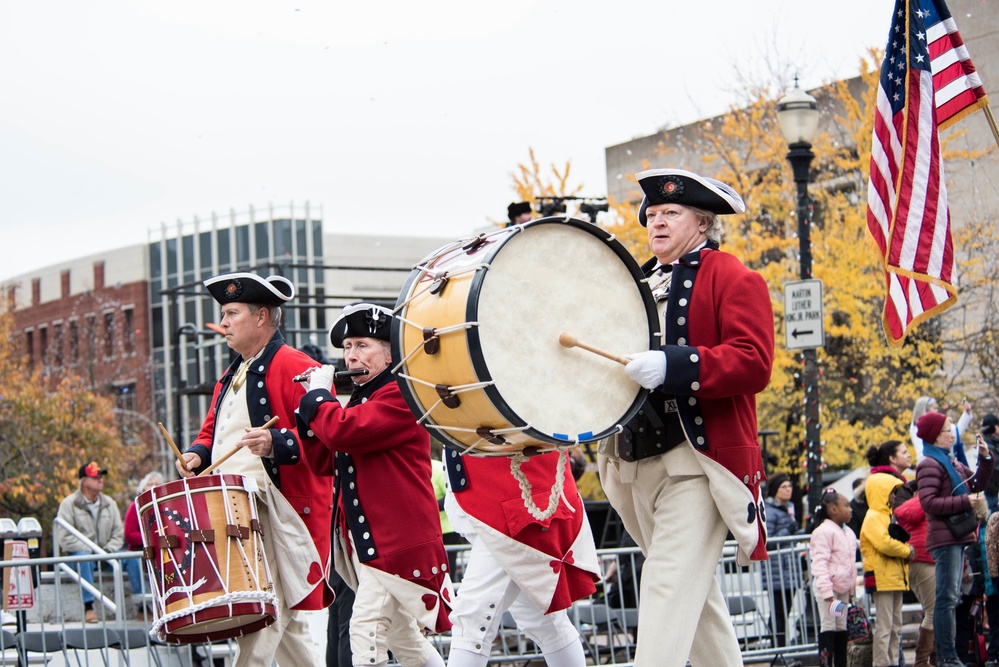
(803, 314)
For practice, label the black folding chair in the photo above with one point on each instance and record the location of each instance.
(136, 638)
(8, 641)
(90, 639)
(45, 642)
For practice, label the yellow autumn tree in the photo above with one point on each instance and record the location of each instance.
(867, 389)
(531, 181)
(45, 437)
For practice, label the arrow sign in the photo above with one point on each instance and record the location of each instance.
(803, 326)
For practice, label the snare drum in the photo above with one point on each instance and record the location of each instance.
(476, 337)
(205, 558)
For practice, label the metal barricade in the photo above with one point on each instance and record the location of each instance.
(607, 621)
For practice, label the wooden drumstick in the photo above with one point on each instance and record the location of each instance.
(566, 339)
(225, 457)
(173, 445)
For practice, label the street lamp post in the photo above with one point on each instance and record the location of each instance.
(798, 116)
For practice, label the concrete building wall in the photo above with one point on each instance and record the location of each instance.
(121, 266)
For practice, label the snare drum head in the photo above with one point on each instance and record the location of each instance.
(549, 279)
(534, 282)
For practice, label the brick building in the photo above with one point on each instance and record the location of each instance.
(90, 317)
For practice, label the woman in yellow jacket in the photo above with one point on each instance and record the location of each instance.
(887, 559)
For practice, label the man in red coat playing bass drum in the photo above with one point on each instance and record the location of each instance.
(293, 503)
(687, 469)
(387, 527)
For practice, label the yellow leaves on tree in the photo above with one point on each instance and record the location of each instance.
(46, 437)
(532, 182)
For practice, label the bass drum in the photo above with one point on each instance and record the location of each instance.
(476, 338)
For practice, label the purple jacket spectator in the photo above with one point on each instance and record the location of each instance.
(935, 491)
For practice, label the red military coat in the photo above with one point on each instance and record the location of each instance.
(719, 346)
(383, 482)
(554, 560)
(271, 392)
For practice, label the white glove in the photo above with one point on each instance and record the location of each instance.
(321, 378)
(647, 368)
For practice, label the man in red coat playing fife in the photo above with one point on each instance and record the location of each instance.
(294, 504)
(389, 547)
(688, 468)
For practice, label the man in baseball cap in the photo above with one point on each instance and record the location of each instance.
(97, 517)
(91, 470)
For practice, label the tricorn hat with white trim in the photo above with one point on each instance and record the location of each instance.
(678, 186)
(250, 288)
(362, 320)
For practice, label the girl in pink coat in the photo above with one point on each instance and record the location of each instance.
(833, 551)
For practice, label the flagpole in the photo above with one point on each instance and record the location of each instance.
(992, 122)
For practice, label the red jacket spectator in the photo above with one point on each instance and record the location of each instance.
(910, 515)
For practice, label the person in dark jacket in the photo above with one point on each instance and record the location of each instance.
(989, 425)
(858, 504)
(970, 612)
(944, 485)
(782, 575)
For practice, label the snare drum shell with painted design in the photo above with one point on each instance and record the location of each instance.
(205, 558)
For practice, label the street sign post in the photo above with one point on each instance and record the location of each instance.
(803, 314)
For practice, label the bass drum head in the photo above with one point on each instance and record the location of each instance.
(559, 276)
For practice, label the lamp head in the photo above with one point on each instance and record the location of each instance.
(798, 115)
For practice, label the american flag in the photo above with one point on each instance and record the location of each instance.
(927, 82)
(958, 88)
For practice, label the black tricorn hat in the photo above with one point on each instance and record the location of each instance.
(362, 320)
(250, 288)
(517, 208)
(677, 186)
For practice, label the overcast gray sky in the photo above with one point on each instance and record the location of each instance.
(395, 116)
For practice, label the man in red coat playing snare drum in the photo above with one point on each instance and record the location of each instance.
(293, 503)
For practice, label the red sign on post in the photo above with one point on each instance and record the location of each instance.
(17, 580)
